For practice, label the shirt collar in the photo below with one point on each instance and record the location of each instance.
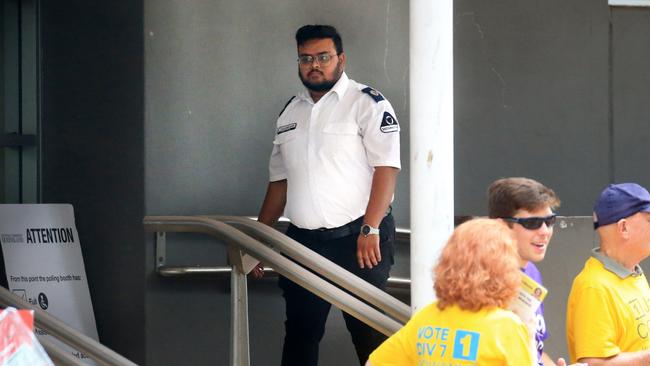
(615, 267)
(338, 89)
(341, 86)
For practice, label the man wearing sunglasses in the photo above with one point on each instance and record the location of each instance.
(608, 311)
(333, 170)
(527, 205)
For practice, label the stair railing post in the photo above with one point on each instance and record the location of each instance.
(239, 347)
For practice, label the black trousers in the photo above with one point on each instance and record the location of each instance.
(307, 313)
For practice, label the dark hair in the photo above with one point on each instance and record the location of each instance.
(508, 195)
(316, 31)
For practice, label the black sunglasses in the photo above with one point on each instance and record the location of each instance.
(533, 223)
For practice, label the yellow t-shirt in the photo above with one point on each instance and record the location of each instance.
(607, 314)
(457, 337)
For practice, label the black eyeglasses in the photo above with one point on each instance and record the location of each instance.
(533, 223)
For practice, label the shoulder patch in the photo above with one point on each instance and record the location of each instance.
(389, 123)
(373, 94)
(286, 105)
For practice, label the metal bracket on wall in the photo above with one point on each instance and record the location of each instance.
(15, 140)
(161, 249)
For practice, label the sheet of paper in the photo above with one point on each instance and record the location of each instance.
(525, 305)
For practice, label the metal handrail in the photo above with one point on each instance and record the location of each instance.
(323, 266)
(296, 273)
(58, 355)
(402, 237)
(66, 334)
(225, 271)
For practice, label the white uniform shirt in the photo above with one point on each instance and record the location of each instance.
(327, 152)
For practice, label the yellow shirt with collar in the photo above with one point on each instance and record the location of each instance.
(457, 337)
(607, 313)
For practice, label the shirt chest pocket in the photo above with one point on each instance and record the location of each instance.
(342, 140)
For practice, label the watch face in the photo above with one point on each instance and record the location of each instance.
(365, 230)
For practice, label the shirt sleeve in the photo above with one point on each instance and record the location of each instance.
(277, 170)
(380, 132)
(595, 335)
(513, 343)
(395, 350)
(520, 350)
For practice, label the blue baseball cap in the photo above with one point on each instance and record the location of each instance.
(619, 201)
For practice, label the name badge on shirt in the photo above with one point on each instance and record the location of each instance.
(286, 128)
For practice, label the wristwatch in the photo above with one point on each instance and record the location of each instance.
(369, 230)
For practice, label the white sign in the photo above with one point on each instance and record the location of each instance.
(44, 265)
(629, 2)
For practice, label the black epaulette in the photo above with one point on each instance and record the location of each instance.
(285, 106)
(373, 94)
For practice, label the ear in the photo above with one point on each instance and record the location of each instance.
(623, 227)
(343, 59)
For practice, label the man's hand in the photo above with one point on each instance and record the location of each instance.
(258, 271)
(561, 362)
(381, 194)
(368, 253)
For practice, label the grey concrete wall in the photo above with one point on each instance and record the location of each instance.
(531, 94)
(630, 93)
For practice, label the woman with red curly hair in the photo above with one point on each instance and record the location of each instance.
(475, 280)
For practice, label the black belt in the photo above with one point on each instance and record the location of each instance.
(324, 234)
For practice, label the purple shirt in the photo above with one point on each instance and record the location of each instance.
(540, 331)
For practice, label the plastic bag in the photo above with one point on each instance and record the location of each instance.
(18, 345)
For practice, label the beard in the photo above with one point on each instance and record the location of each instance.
(324, 85)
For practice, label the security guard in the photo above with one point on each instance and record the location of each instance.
(333, 170)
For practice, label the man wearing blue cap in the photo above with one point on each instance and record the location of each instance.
(608, 312)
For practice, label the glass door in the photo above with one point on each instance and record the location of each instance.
(19, 107)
